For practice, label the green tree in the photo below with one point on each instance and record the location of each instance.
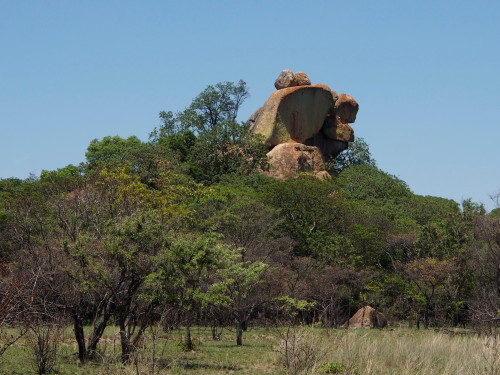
(238, 284)
(147, 160)
(208, 137)
(358, 153)
(63, 177)
(131, 249)
(113, 150)
(243, 218)
(428, 209)
(367, 182)
(217, 104)
(484, 261)
(427, 279)
(189, 268)
(311, 210)
(449, 237)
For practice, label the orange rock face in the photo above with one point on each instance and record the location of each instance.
(287, 78)
(287, 159)
(301, 79)
(293, 114)
(334, 129)
(346, 108)
(304, 124)
(366, 317)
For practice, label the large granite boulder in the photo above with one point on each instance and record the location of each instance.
(366, 317)
(287, 159)
(293, 114)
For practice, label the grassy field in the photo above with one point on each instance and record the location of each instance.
(269, 351)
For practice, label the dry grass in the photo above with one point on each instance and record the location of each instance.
(408, 352)
(353, 352)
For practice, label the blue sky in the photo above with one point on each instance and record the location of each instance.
(425, 73)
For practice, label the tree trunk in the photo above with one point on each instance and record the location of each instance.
(189, 342)
(98, 330)
(216, 333)
(426, 317)
(125, 342)
(241, 325)
(79, 336)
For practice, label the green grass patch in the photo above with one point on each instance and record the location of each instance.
(384, 352)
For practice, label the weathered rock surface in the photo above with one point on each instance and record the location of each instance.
(314, 116)
(335, 97)
(287, 78)
(334, 129)
(287, 159)
(366, 317)
(301, 79)
(254, 117)
(293, 114)
(346, 108)
(326, 145)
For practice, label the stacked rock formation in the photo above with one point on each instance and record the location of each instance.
(303, 125)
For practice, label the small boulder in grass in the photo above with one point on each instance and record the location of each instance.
(366, 317)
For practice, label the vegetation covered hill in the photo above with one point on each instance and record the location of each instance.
(183, 229)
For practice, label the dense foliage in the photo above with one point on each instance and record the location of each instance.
(184, 228)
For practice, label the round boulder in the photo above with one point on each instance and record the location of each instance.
(288, 159)
(346, 108)
(301, 79)
(285, 79)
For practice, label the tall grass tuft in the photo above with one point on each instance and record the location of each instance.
(299, 350)
(403, 352)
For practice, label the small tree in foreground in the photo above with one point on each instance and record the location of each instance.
(238, 285)
(188, 269)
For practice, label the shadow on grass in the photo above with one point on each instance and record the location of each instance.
(231, 345)
(206, 366)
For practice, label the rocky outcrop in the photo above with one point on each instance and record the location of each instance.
(335, 129)
(287, 159)
(301, 113)
(293, 114)
(366, 317)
